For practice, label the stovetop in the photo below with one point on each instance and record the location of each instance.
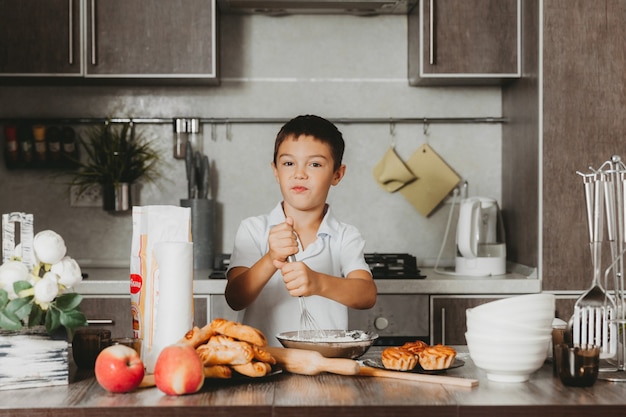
(382, 265)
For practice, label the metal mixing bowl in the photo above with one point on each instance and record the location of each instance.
(330, 343)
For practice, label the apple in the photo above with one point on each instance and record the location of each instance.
(119, 368)
(178, 370)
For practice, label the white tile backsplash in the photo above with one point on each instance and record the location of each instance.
(277, 67)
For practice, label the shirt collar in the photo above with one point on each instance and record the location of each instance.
(329, 226)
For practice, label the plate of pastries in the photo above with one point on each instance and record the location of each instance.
(417, 357)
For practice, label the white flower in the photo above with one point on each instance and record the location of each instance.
(46, 289)
(49, 247)
(10, 272)
(68, 271)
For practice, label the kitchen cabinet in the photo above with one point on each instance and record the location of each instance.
(447, 316)
(568, 112)
(40, 38)
(113, 313)
(151, 39)
(464, 42)
(98, 40)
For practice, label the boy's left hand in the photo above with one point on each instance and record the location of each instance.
(299, 279)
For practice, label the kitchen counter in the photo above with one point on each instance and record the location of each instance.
(115, 281)
(286, 394)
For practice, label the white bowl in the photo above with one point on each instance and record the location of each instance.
(507, 359)
(483, 323)
(518, 304)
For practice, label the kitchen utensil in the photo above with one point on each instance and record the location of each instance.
(190, 170)
(309, 362)
(336, 343)
(407, 376)
(203, 188)
(307, 321)
(481, 250)
(594, 309)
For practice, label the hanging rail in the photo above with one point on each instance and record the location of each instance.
(262, 120)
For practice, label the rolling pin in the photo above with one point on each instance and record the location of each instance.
(309, 362)
(410, 376)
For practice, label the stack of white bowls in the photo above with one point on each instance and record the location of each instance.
(509, 338)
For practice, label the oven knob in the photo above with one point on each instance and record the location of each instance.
(381, 323)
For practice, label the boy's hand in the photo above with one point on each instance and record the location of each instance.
(282, 243)
(299, 279)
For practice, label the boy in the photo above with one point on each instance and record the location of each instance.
(330, 268)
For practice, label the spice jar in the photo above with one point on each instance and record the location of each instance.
(39, 134)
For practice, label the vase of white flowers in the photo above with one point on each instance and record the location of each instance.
(37, 302)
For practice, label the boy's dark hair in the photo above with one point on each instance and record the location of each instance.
(318, 127)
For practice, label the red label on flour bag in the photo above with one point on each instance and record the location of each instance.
(135, 283)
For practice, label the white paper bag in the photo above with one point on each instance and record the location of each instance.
(152, 225)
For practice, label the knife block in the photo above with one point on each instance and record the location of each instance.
(203, 223)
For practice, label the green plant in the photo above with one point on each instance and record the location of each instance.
(115, 154)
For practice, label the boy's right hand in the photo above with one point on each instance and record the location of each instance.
(282, 241)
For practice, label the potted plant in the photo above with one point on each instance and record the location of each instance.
(116, 158)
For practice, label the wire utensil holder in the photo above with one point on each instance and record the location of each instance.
(604, 323)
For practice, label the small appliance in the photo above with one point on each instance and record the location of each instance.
(481, 250)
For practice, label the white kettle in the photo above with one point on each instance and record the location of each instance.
(481, 250)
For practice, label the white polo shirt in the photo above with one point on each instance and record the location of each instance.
(337, 251)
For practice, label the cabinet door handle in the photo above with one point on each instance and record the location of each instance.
(93, 32)
(70, 50)
(443, 325)
(101, 321)
(431, 29)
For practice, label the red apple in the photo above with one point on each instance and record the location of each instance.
(178, 370)
(119, 369)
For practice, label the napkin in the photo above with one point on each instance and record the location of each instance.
(391, 173)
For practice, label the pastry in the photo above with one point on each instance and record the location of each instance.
(398, 358)
(238, 331)
(437, 357)
(415, 347)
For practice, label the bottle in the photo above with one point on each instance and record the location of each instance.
(69, 148)
(39, 134)
(53, 139)
(12, 147)
(25, 140)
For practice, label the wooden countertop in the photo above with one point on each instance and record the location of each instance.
(326, 394)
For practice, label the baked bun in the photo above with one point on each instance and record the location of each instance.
(436, 357)
(415, 347)
(398, 358)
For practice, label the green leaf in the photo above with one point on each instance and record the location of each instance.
(53, 320)
(68, 301)
(20, 307)
(36, 316)
(4, 298)
(21, 285)
(9, 321)
(72, 319)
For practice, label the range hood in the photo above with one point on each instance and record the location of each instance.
(285, 7)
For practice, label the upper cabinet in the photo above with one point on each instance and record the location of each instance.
(40, 38)
(464, 42)
(109, 39)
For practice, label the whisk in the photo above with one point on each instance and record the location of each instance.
(308, 324)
